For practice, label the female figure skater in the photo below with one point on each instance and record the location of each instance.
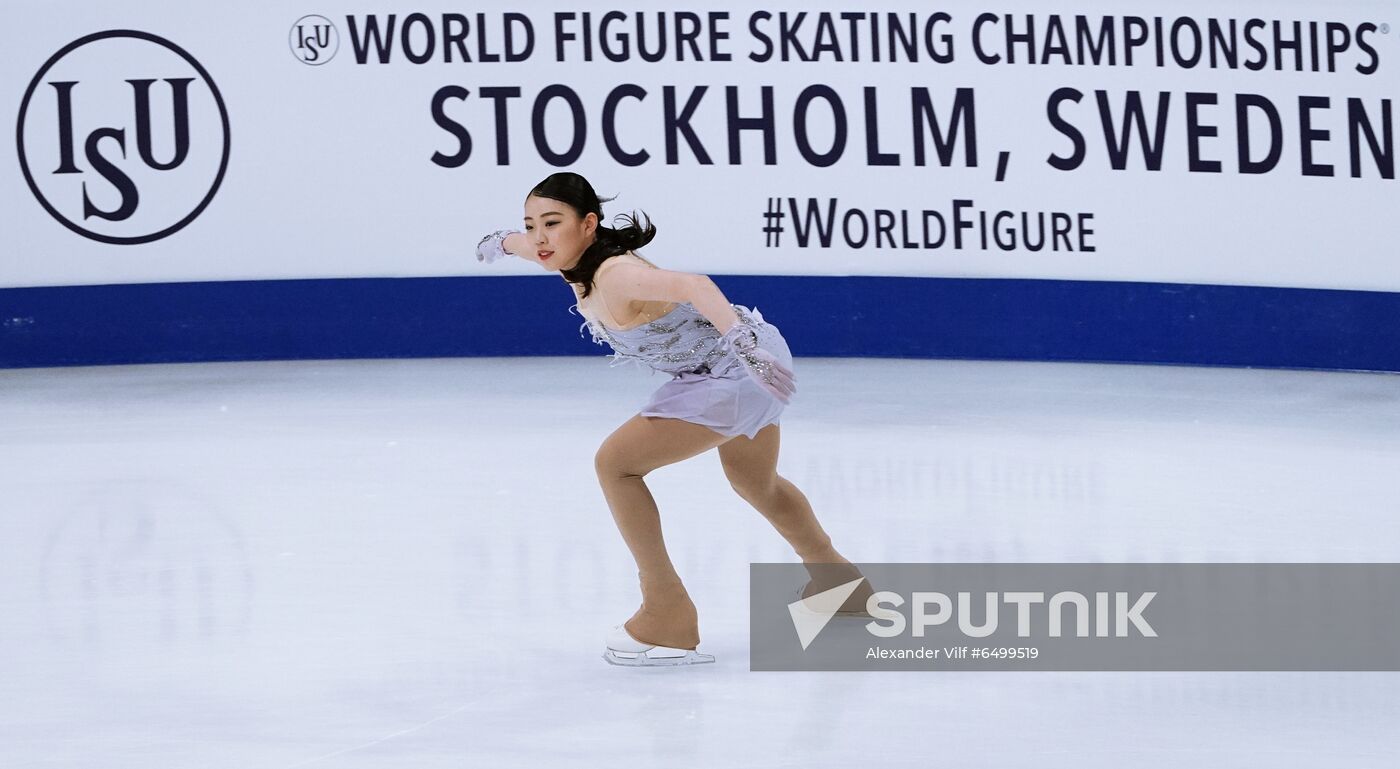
(731, 377)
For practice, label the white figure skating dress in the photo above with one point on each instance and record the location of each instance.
(709, 385)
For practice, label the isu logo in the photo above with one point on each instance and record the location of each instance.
(314, 40)
(123, 137)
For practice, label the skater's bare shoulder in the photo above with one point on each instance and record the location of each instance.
(631, 278)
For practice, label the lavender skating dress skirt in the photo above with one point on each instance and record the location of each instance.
(709, 385)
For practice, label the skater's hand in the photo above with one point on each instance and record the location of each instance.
(492, 247)
(761, 366)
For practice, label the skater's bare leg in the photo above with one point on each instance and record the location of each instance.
(642, 444)
(751, 466)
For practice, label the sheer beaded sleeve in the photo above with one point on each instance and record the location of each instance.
(492, 247)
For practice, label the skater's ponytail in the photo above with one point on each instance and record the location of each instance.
(571, 188)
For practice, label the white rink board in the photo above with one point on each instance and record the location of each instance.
(330, 169)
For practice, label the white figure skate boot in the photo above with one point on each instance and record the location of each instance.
(623, 649)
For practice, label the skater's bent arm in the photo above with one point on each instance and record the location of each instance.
(637, 283)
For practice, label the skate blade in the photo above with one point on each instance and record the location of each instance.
(861, 614)
(657, 656)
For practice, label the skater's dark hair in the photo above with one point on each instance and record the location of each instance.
(573, 189)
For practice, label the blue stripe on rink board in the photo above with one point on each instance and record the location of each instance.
(819, 316)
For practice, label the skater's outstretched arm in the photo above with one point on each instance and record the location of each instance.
(504, 243)
(518, 244)
(635, 283)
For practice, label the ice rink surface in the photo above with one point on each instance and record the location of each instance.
(408, 564)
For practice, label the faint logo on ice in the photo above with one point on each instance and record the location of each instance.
(143, 561)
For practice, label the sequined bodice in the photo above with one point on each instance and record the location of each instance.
(681, 340)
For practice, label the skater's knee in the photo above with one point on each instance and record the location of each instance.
(753, 488)
(611, 461)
